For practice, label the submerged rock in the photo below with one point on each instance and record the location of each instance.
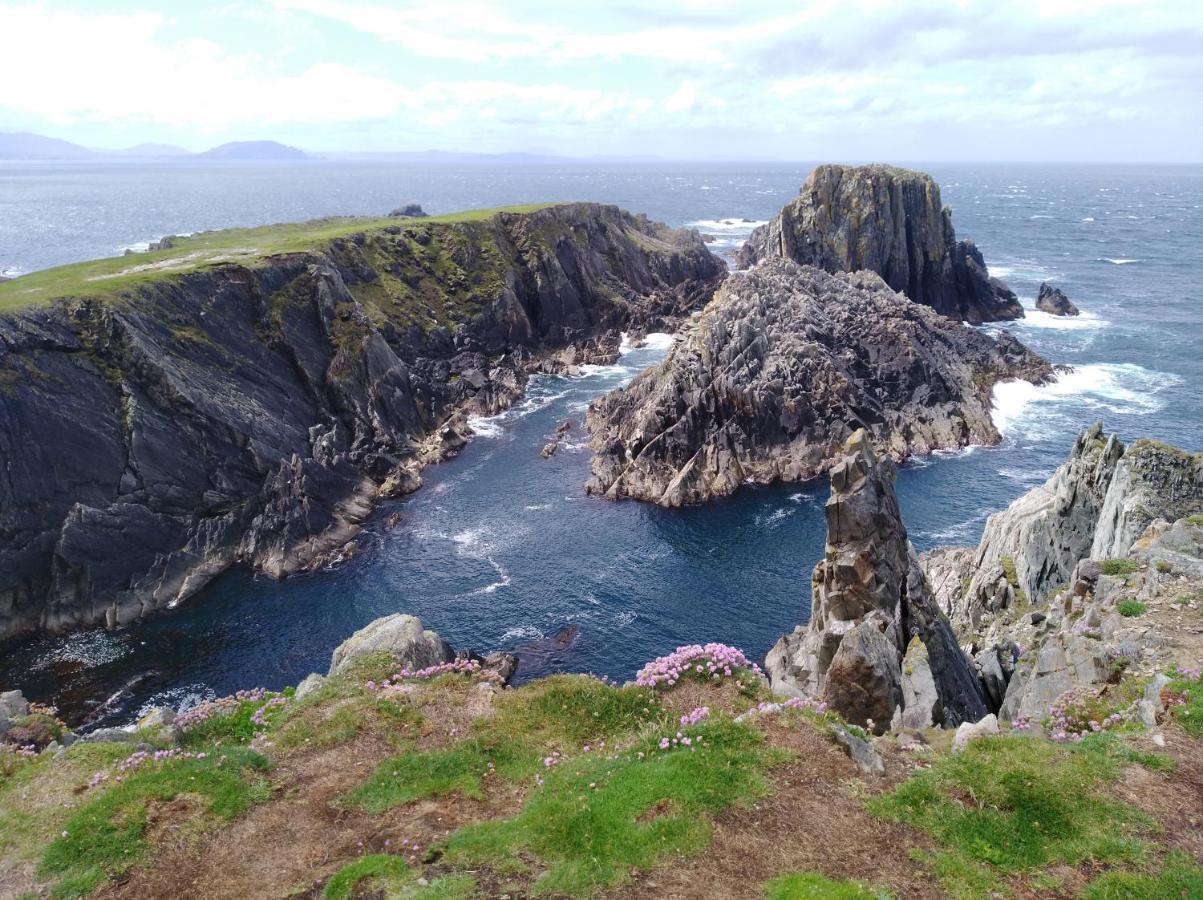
(869, 601)
(1052, 301)
(400, 635)
(890, 221)
(779, 369)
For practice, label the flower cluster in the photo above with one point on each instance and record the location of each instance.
(679, 740)
(1021, 723)
(259, 717)
(1188, 674)
(553, 760)
(20, 750)
(134, 760)
(709, 662)
(696, 715)
(465, 666)
(1080, 712)
(222, 706)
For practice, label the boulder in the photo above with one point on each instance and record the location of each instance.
(890, 221)
(1052, 301)
(969, 731)
(861, 752)
(920, 701)
(309, 684)
(398, 634)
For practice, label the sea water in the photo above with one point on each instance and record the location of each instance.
(501, 546)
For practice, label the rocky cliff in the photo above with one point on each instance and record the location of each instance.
(890, 221)
(876, 644)
(787, 361)
(251, 409)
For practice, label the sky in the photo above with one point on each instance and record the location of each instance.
(931, 80)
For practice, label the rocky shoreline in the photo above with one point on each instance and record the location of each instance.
(253, 413)
(780, 368)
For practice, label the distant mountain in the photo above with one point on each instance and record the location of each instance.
(23, 145)
(254, 150)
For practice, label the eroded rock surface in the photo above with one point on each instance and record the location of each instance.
(1054, 302)
(890, 221)
(869, 600)
(779, 369)
(400, 635)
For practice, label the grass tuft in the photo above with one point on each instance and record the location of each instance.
(1178, 877)
(811, 886)
(1129, 609)
(1119, 566)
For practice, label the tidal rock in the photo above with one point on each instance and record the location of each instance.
(1051, 300)
(253, 412)
(779, 369)
(869, 599)
(398, 634)
(890, 221)
(408, 211)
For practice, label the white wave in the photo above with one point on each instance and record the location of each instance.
(955, 452)
(1039, 216)
(503, 579)
(1119, 262)
(1088, 219)
(625, 618)
(777, 515)
(960, 532)
(538, 507)
(10, 271)
(521, 633)
(181, 699)
(613, 371)
(732, 224)
(488, 427)
(90, 648)
(1038, 318)
(654, 340)
(1122, 388)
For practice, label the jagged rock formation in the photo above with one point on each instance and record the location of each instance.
(787, 360)
(251, 413)
(1035, 601)
(1051, 300)
(890, 221)
(869, 601)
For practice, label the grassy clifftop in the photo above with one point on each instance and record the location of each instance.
(441, 784)
(245, 246)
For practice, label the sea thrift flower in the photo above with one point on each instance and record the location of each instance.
(696, 715)
(693, 658)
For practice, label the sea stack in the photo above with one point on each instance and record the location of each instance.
(876, 639)
(1052, 301)
(780, 368)
(890, 221)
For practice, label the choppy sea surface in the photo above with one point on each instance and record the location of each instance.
(502, 546)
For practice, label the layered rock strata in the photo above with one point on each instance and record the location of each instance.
(252, 413)
(787, 361)
(890, 221)
(873, 615)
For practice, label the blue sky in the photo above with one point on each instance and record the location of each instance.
(845, 79)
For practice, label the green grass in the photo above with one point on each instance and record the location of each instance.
(1189, 714)
(111, 277)
(1119, 566)
(811, 886)
(1178, 877)
(1014, 804)
(397, 881)
(457, 770)
(597, 818)
(1131, 608)
(105, 836)
(567, 711)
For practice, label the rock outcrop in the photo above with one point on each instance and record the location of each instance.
(869, 602)
(1037, 601)
(890, 221)
(787, 361)
(408, 211)
(1051, 300)
(400, 635)
(252, 413)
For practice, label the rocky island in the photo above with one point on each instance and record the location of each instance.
(780, 368)
(889, 221)
(245, 396)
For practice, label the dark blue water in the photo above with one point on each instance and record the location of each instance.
(502, 546)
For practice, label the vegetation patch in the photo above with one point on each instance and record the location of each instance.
(811, 886)
(1013, 803)
(1178, 877)
(597, 817)
(1119, 566)
(391, 877)
(1185, 699)
(105, 836)
(1131, 608)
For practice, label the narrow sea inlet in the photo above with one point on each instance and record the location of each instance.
(501, 546)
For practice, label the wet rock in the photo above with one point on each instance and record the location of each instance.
(890, 221)
(1052, 301)
(398, 634)
(783, 365)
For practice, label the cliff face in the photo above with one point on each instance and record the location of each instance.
(778, 370)
(872, 612)
(252, 413)
(889, 221)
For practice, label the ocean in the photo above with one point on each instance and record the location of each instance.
(502, 546)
